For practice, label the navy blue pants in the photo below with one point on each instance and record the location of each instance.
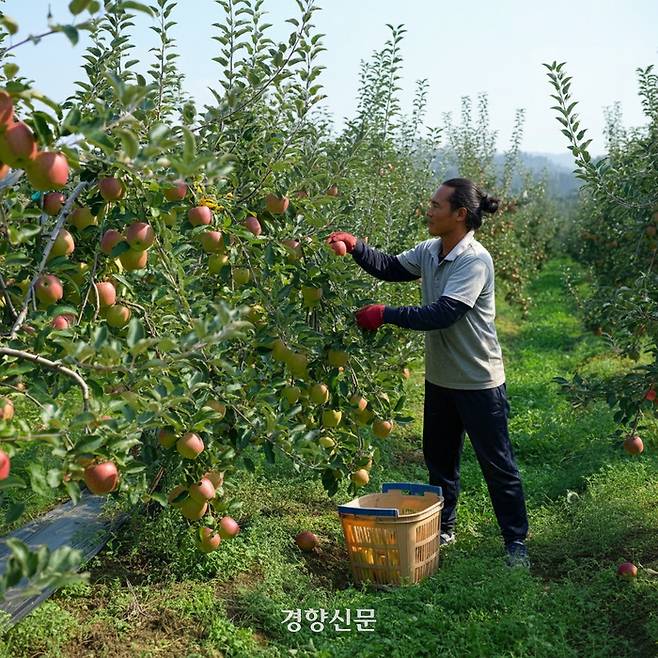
(482, 414)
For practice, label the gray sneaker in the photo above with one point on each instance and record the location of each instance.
(447, 537)
(517, 555)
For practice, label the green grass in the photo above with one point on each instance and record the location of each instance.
(590, 508)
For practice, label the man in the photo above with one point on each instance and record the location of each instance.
(464, 375)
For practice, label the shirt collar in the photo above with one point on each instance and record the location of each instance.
(459, 248)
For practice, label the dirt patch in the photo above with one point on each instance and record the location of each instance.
(330, 565)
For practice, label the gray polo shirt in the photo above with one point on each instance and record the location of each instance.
(467, 354)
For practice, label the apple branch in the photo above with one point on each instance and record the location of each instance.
(5, 294)
(63, 213)
(27, 395)
(40, 360)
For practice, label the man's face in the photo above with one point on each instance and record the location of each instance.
(441, 218)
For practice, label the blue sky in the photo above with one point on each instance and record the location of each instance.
(495, 47)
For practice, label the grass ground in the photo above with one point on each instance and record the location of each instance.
(590, 506)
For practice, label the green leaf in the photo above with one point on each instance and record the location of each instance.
(137, 6)
(9, 24)
(78, 6)
(135, 332)
(129, 142)
(71, 32)
(14, 512)
(10, 69)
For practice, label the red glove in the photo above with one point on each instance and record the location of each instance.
(370, 317)
(347, 238)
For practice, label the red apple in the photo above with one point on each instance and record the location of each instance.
(190, 445)
(81, 218)
(228, 527)
(276, 205)
(134, 260)
(339, 247)
(382, 428)
(200, 216)
(627, 570)
(306, 540)
(208, 541)
(17, 145)
(294, 249)
(64, 245)
(140, 236)
(48, 170)
(53, 202)
(359, 402)
(6, 409)
(48, 289)
(212, 242)
(650, 395)
(202, 490)
(176, 192)
(111, 188)
(117, 316)
(633, 444)
(107, 294)
(61, 322)
(110, 239)
(5, 465)
(101, 478)
(253, 225)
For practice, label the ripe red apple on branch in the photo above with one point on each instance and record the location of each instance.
(176, 192)
(111, 188)
(202, 490)
(190, 445)
(48, 170)
(253, 225)
(633, 444)
(208, 540)
(200, 216)
(53, 202)
(17, 145)
(5, 465)
(110, 239)
(48, 289)
(101, 478)
(64, 245)
(140, 236)
(107, 294)
(228, 527)
(276, 205)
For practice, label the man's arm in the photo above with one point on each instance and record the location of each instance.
(380, 265)
(438, 315)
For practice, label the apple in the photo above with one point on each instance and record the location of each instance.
(382, 428)
(63, 245)
(331, 417)
(253, 225)
(339, 247)
(101, 478)
(280, 351)
(294, 249)
(212, 242)
(319, 394)
(6, 111)
(107, 294)
(306, 540)
(140, 236)
(4, 170)
(166, 437)
(276, 205)
(228, 527)
(241, 276)
(48, 289)
(360, 477)
(291, 394)
(6, 409)
(216, 262)
(650, 395)
(627, 570)
(176, 192)
(337, 358)
(311, 295)
(208, 540)
(48, 170)
(633, 444)
(174, 493)
(110, 239)
(326, 442)
(17, 145)
(200, 216)
(53, 202)
(117, 316)
(190, 445)
(193, 509)
(217, 406)
(256, 314)
(133, 259)
(61, 322)
(81, 217)
(358, 401)
(5, 465)
(332, 190)
(297, 363)
(202, 490)
(216, 477)
(111, 188)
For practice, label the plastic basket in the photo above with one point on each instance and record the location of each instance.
(392, 537)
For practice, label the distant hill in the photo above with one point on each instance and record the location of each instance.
(557, 167)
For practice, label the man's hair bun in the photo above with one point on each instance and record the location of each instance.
(489, 204)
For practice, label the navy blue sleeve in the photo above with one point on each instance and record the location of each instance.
(439, 315)
(380, 265)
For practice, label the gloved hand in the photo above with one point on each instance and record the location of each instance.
(370, 317)
(347, 238)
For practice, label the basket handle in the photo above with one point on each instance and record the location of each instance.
(368, 511)
(412, 487)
